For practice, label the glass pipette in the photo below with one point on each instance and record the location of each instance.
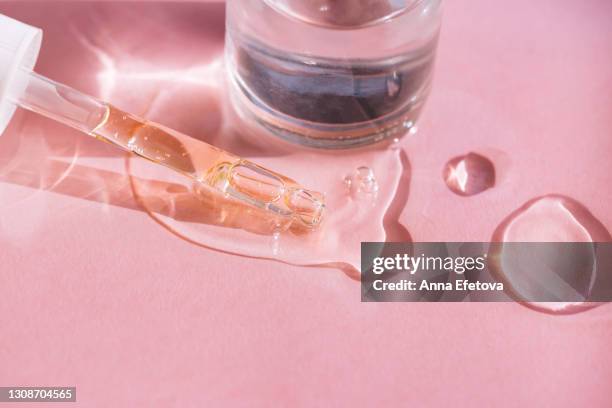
(209, 167)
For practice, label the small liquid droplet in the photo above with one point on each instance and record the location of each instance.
(550, 268)
(348, 183)
(275, 243)
(362, 182)
(409, 124)
(469, 174)
(365, 180)
(395, 143)
(413, 130)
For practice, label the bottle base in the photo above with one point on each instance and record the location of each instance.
(317, 135)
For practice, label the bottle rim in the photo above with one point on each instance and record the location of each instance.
(274, 5)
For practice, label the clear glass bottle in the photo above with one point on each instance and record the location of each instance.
(332, 73)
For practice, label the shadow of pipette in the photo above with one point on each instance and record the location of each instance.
(163, 198)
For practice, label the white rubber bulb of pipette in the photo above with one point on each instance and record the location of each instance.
(19, 48)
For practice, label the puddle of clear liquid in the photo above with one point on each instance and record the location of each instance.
(563, 274)
(349, 220)
(469, 174)
(169, 198)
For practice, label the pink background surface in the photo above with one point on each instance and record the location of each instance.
(95, 294)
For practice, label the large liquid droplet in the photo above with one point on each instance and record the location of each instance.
(204, 220)
(550, 269)
(469, 174)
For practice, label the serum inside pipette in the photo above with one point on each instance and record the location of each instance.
(284, 202)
